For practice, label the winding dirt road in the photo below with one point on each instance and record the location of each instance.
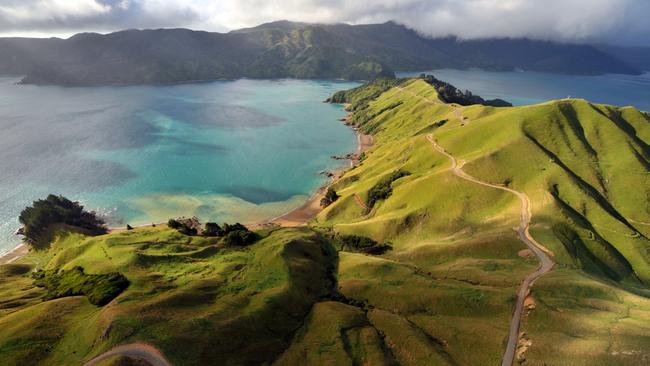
(542, 254)
(134, 350)
(360, 202)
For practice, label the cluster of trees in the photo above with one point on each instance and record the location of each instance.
(100, 289)
(231, 234)
(330, 197)
(187, 226)
(362, 244)
(383, 188)
(39, 217)
(450, 94)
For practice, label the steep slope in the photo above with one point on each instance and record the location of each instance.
(575, 160)
(198, 302)
(280, 49)
(580, 160)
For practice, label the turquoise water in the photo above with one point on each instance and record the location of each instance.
(244, 150)
(522, 88)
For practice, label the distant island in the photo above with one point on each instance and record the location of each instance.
(288, 49)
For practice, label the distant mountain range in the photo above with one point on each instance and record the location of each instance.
(287, 49)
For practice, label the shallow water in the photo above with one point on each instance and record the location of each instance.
(244, 150)
(520, 88)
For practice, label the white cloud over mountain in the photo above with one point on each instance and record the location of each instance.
(564, 20)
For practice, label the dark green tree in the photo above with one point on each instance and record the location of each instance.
(383, 188)
(329, 198)
(239, 238)
(53, 210)
(212, 229)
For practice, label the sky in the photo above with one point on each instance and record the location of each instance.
(611, 21)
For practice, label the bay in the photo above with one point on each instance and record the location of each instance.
(245, 150)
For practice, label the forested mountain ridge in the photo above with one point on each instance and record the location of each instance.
(281, 49)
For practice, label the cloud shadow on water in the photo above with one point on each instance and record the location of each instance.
(210, 115)
(259, 195)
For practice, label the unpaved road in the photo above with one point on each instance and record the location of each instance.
(360, 202)
(134, 350)
(542, 254)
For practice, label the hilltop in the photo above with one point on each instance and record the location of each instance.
(282, 49)
(442, 288)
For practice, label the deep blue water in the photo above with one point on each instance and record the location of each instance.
(243, 150)
(522, 88)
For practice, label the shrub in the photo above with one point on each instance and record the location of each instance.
(450, 94)
(100, 289)
(53, 210)
(441, 123)
(383, 189)
(240, 238)
(186, 226)
(188, 230)
(228, 228)
(362, 244)
(212, 229)
(330, 197)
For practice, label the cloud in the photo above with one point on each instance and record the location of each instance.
(564, 20)
(18, 13)
(66, 17)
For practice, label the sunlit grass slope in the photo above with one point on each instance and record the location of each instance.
(198, 302)
(445, 292)
(454, 268)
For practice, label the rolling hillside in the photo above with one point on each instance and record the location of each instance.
(445, 291)
(585, 169)
(281, 49)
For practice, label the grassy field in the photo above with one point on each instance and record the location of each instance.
(445, 292)
(196, 301)
(455, 263)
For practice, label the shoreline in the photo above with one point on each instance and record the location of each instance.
(298, 216)
(301, 215)
(16, 253)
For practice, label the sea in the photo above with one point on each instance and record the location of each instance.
(524, 87)
(224, 151)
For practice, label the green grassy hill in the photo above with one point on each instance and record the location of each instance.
(585, 169)
(445, 292)
(584, 166)
(195, 300)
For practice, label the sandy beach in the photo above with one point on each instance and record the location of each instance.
(17, 253)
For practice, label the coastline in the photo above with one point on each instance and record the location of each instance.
(16, 253)
(301, 215)
(298, 216)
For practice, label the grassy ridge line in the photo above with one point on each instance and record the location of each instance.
(460, 274)
(543, 255)
(437, 233)
(196, 305)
